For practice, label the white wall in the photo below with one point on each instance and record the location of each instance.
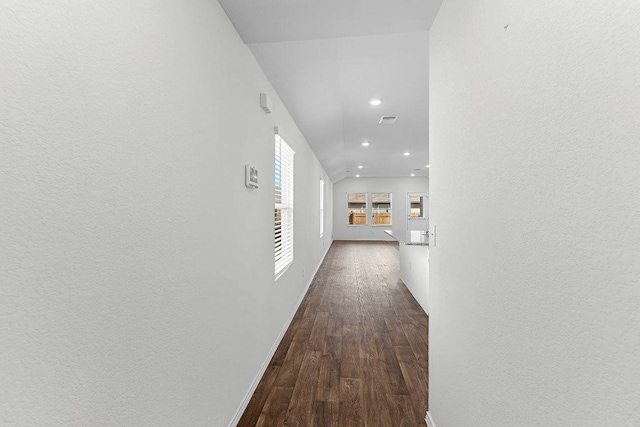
(535, 191)
(136, 270)
(399, 187)
(414, 272)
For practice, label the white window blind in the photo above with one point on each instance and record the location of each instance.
(283, 205)
(381, 208)
(321, 207)
(357, 209)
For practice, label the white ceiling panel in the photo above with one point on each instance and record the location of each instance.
(262, 21)
(397, 67)
(326, 71)
(306, 76)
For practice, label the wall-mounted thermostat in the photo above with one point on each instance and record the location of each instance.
(250, 176)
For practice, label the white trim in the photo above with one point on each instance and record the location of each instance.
(429, 420)
(243, 405)
(284, 270)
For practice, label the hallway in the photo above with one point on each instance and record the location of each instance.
(355, 352)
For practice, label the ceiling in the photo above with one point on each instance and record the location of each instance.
(328, 59)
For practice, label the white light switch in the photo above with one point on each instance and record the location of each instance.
(432, 235)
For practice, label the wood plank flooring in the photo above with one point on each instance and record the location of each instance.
(356, 351)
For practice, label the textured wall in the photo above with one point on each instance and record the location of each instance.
(535, 191)
(136, 270)
(399, 187)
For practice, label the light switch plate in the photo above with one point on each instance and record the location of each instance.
(432, 235)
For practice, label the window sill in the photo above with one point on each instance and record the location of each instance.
(284, 270)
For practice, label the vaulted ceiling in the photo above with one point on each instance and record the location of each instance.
(328, 59)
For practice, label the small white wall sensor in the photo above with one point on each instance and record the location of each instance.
(250, 177)
(266, 103)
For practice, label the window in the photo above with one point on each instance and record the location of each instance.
(416, 205)
(418, 208)
(321, 207)
(283, 206)
(381, 208)
(357, 207)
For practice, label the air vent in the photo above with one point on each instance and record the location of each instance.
(388, 120)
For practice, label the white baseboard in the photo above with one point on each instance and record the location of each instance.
(243, 406)
(429, 420)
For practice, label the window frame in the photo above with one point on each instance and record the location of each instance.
(366, 210)
(284, 174)
(321, 207)
(390, 210)
(424, 199)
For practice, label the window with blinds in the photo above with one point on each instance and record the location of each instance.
(381, 208)
(283, 205)
(321, 207)
(357, 209)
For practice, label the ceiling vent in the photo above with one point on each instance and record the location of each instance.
(388, 120)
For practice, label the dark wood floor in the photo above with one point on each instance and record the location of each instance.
(356, 351)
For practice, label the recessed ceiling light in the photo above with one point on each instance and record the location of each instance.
(375, 102)
(406, 153)
(358, 176)
(426, 166)
(365, 144)
(413, 174)
(360, 167)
